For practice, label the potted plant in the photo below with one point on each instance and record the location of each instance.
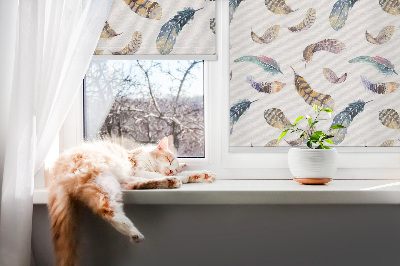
(315, 164)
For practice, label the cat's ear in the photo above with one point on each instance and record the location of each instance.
(163, 145)
(171, 146)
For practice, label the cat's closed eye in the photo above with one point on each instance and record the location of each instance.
(166, 158)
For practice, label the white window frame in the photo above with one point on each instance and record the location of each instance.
(354, 163)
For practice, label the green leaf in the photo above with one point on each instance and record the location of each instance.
(310, 120)
(283, 134)
(318, 133)
(314, 138)
(337, 126)
(297, 120)
(302, 134)
(328, 141)
(309, 144)
(313, 123)
(328, 110)
(322, 146)
(327, 137)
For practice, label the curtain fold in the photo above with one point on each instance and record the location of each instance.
(8, 16)
(55, 43)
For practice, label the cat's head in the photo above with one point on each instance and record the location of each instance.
(164, 161)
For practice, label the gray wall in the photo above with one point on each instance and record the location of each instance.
(237, 235)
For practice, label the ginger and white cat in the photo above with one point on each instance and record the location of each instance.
(95, 173)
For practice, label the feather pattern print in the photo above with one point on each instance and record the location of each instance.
(387, 143)
(389, 118)
(329, 45)
(307, 22)
(272, 143)
(380, 63)
(145, 8)
(233, 5)
(276, 118)
(339, 13)
(379, 88)
(212, 25)
(332, 77)
(269, 35)
(108, 32)
(383, 36)
(237, 110)
(278, 7)
(133, 46)
(312, 97)
(296, 142)
(266, 87)
(266, 63)
(169, 31)
(390, 6)
(303, 139)
(344, 118)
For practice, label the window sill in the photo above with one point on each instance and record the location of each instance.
(264, 192)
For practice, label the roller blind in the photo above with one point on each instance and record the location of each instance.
(287, 56)
(141, 29)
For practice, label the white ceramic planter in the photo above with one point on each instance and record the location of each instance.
(310, 166)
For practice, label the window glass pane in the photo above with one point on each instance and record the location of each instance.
(140, 102)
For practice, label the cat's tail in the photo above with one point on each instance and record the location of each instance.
(62, 212)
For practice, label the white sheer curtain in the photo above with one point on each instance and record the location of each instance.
(55, 43)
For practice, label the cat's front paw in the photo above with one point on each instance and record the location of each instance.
(137, 237)
(201, 177)
(174, 182)
(210, 177)
(182, 167)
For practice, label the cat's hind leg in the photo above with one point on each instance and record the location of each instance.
(103, 195)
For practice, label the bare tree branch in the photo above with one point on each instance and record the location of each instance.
(146, 72)
(167, 118)
(182, 82)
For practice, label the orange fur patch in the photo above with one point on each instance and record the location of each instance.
(97, 199)
(171, 183)
(132, 157)
(196, 176)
